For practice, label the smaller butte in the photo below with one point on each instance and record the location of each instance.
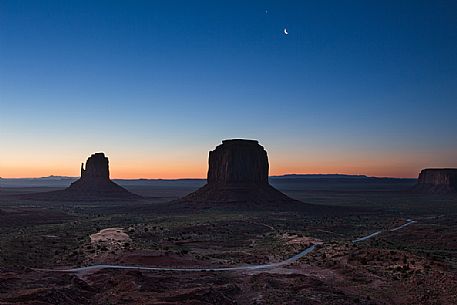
(94, 184)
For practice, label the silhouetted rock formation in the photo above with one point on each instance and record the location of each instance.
(238, 162)
(238, 173)
(96, 167)
(95, 178)
(94, 184)
(437, 180)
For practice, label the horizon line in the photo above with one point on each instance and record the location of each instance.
(204, 178)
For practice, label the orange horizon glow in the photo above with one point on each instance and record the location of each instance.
(194, 164)
(377, 103)
(200, 172)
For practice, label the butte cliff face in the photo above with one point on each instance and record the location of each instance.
(94, 184)
(238, 176)
(238, 162)
(437, 180)
(95, 178)
(97, 167)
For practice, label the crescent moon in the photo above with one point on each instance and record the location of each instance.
(285, 31)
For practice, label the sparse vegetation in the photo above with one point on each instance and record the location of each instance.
(43, 234)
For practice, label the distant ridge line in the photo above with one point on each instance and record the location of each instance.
(327, 176)
(320, 176)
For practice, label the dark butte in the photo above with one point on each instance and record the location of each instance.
(238, 162)
(94, 184)
(238, 176)
(97, 166)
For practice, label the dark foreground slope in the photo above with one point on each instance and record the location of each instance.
(414, 265)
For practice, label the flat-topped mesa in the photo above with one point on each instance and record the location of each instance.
(238, 173)
(238, 161)
(437, 180)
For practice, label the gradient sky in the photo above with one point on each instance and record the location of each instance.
(358, 87)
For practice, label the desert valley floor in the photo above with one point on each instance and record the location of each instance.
(416, 264)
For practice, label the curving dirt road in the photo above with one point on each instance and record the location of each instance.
(238, 268)
(408, 222)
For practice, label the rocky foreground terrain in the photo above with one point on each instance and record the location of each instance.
(414, 265)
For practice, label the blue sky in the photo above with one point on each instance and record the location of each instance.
(357, 86)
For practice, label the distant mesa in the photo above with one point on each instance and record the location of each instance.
(437, 181)
(94, 184)
(238, 173)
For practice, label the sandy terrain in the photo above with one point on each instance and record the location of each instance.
(110, 235)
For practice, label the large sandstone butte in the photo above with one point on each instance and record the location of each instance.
(94, 184)
(238, 162)
(238, 173)
(437, 180)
